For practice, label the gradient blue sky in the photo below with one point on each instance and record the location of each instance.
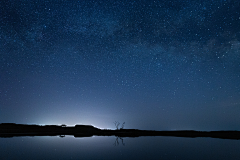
(152, 64)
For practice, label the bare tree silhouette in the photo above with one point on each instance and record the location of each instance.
(122, 125)
(116, 124)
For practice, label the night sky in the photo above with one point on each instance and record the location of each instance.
(162, 65)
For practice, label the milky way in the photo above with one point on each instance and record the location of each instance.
(153, 64)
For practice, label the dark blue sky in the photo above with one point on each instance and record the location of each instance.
(153, 64)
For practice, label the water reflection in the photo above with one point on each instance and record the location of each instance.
(114, 148)
(117, 142)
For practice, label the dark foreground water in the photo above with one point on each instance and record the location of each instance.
(110, 148)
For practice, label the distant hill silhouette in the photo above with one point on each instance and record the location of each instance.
(13, 130)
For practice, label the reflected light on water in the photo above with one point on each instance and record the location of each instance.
(127, 148)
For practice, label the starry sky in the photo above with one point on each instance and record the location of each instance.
(162, 65)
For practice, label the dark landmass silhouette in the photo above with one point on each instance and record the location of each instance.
(8, 130)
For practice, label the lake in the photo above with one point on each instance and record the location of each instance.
(103, 147)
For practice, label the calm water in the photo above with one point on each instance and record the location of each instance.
(108, 148)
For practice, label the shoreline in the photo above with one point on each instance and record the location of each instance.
(8, 130)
